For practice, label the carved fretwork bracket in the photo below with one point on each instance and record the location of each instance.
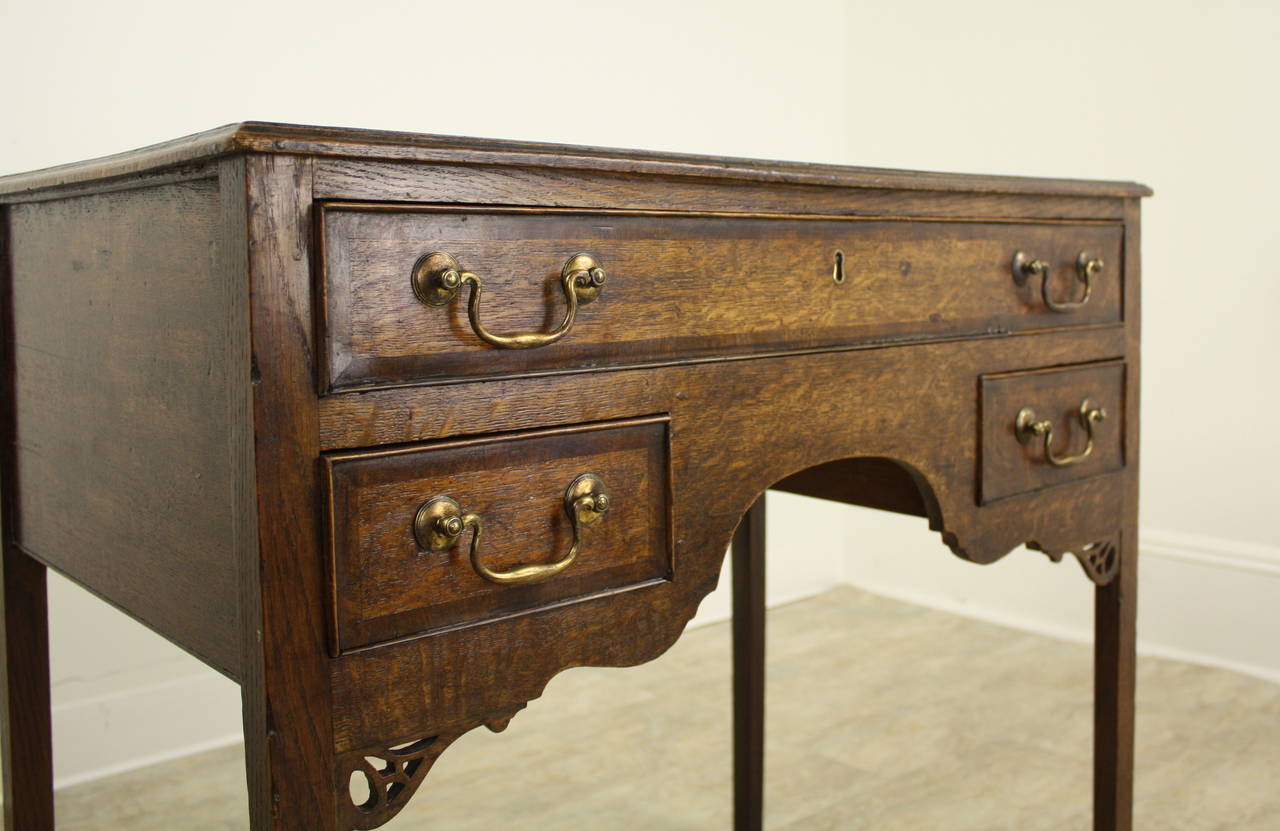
(1100, 560)
(393, 774)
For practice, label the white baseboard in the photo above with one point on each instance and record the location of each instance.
(1212, 601)
(1217, 552)
(1053, 629)
(141, 726)
(1205, 600)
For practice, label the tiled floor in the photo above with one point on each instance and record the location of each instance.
(882, 716)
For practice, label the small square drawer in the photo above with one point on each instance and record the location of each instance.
(1046, 427)
(458, 532)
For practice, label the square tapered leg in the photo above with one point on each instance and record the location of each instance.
(27, 734)
(1114, 669)
(748, 670)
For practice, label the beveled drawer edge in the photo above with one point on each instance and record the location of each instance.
(329, 459)
(980, 455)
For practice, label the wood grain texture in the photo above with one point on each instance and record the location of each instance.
(26, 729)
(386, 587)
(737, 428)
(351, 179)
(681, 286)
(288, 733)
(1011, 466)
(123, 461)
(233, 254)
(423, 413)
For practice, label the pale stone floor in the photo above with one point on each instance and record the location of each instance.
(882, 716)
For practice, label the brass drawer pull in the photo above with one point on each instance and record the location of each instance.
(441, 521)
(1086, 267)
(437, 278)
(1028, 428)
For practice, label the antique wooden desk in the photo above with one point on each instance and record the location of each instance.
(253, 398)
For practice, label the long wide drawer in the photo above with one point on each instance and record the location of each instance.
(673, 287)
(457, 532)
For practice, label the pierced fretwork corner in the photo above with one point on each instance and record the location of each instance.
(386, 778)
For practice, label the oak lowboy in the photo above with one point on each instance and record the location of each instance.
(329, 408)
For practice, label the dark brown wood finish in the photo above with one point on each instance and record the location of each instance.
(414, 414)
(738, 427)
(122, 462)
(386, 587)
(288, 727)
(1116, 604)
(729, 286)
(872, 483)
(749, 669)
(492, 184)
(182, 315)
(1012, 465)
(233, 263)
(26, 730)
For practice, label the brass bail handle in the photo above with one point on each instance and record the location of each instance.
(437, 278)
(1028, 428)
(1087, 267)
(440, 522)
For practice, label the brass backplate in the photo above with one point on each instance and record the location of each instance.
(427, 283)
(587, 290)
(433, 525)
(588, 484)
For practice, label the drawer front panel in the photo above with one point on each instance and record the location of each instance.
(684, 287)
(1051, 426)
(388, 584)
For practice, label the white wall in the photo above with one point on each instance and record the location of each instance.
(1180, 95)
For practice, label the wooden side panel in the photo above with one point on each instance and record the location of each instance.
(122, 327)
(26, 726)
